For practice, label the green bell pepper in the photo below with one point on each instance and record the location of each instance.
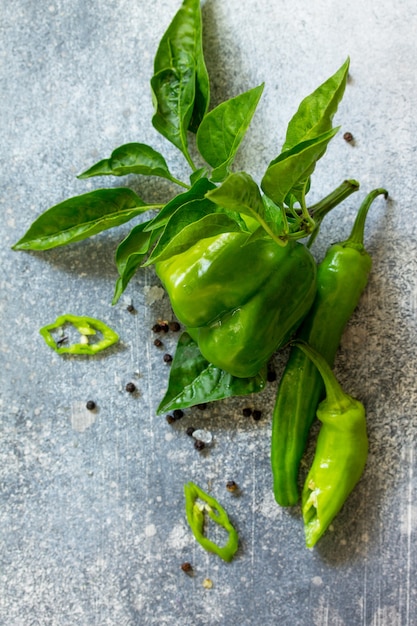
(240, 301)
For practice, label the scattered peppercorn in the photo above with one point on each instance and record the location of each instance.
(199, 445)
(130, 387)
(256, 415)
(202, 406)
(348, 137)
(271, 375)
(170, 419)
(130, 308)
(178, 414)
(91, 405)
(158, 343)
(174, 326)
(167, 358)
(156, 328)
(190, 431)
(247, 412)
(164, 326)
(186, 567)
(231, 485)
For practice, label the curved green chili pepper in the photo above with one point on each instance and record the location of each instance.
(86, 326)
(341, 278)
(341, 452)
(195, 516)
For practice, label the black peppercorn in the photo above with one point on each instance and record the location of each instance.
(167, 358)
(271, 375)
(247, 412)
(199, 445)
(256, 415)
(231, 485)
(91, 405)
(174, 326)
(348, 137)
(164, 326)
(156, 328)
(170, 419)
(186, 567)
(190, 431)
(158, 343)
(130, 387)
(130, 308)
(178, 414)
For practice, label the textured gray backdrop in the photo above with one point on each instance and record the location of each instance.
(92, 528)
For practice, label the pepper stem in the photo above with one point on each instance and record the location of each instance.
(319, 210)
(357, 235)
(334, 392)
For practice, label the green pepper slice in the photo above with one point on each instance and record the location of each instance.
(195, 516)
(86, 326)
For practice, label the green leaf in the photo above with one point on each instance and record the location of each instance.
(313, 118)
(131, 158)
(193, 380)
(203, 172)
(184, 216)
(82, 216)
(189, 234)
(184, 35)
(223, 129)
(294, 166)
(198, 190)
(315, 113)
(130, 254)
(173, 94)
(240, 193)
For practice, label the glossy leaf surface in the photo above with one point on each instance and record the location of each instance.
(185, 235)
(197, 191)
(223, 129)
(193, 380)
(294, 166)
(239, 192)
(184, 37)
(174, 93)
(131, 158)
(315, 113)
(131, 253)
(80, 217)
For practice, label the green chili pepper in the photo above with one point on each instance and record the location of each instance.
(195, 515)
(341, 278)
(86, 326)
(341, 452)
(240, 302)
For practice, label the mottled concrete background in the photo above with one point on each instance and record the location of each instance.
(92, 528)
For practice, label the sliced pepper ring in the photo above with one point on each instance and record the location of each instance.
(195, 516)
(86, 326)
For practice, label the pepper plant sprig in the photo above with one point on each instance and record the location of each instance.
(216, 199)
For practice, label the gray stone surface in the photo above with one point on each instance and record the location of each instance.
(92, 528)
